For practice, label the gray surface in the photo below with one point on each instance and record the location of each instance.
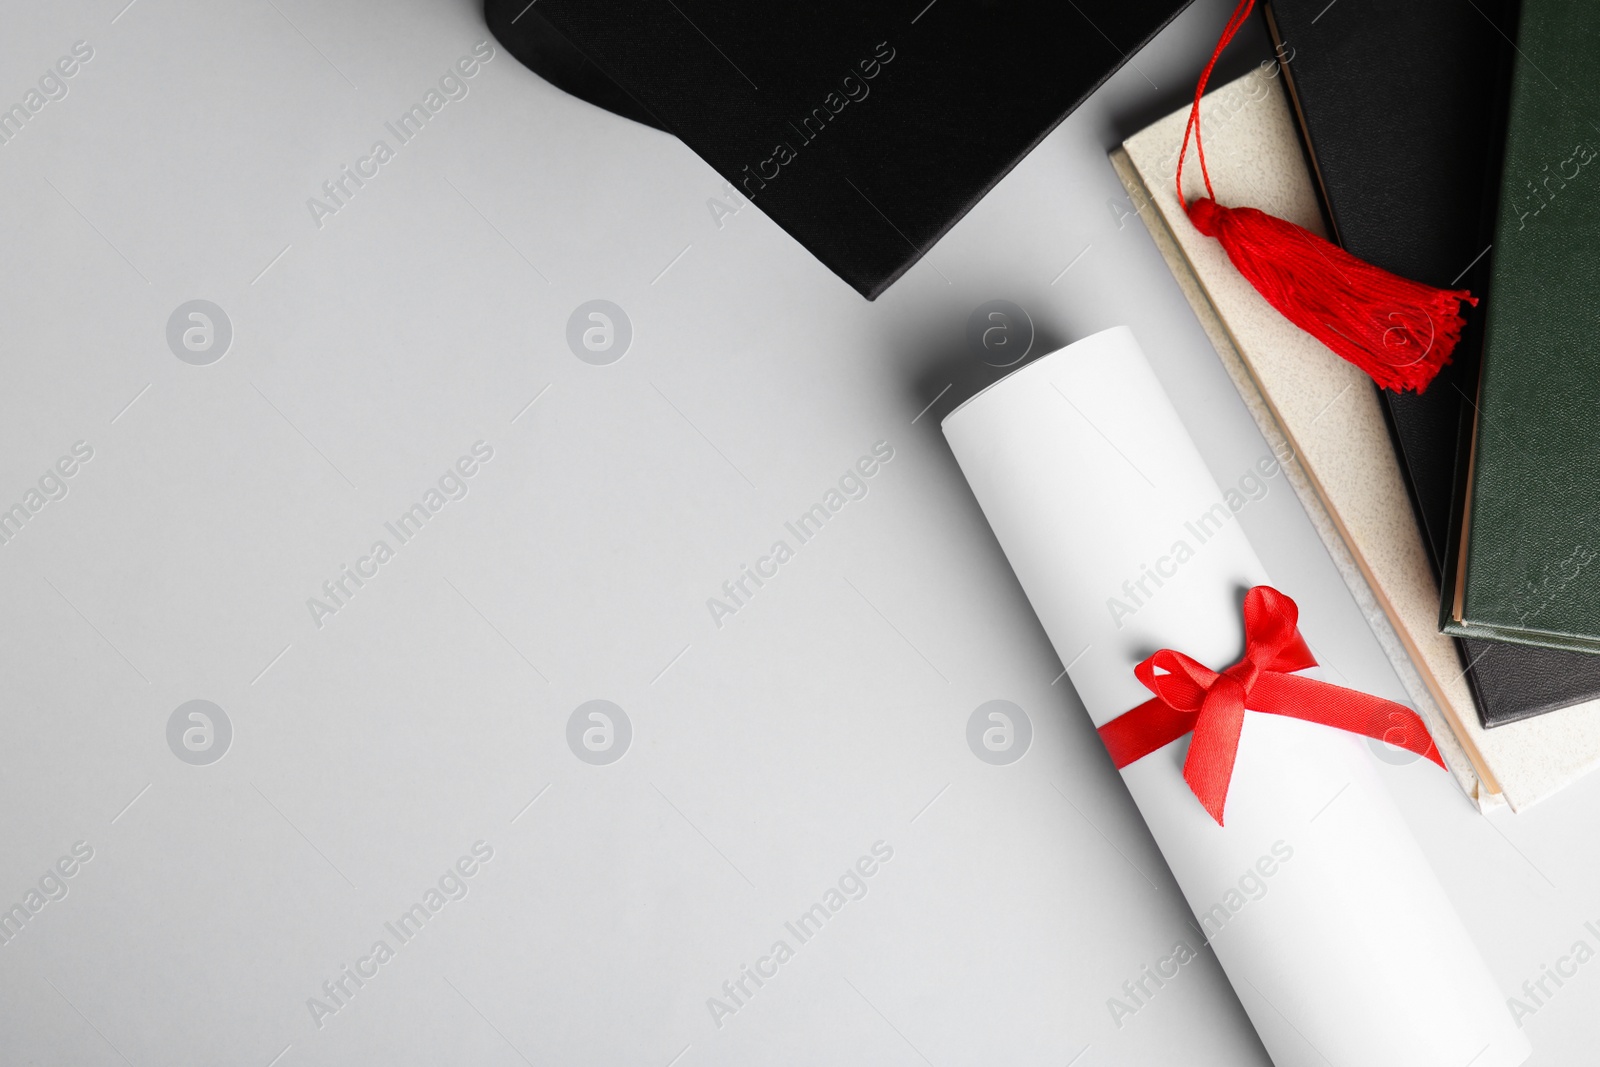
(432, 711)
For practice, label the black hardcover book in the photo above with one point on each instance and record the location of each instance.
(865, 130)
(1401, 108)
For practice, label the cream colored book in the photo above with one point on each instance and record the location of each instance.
(1324, 411)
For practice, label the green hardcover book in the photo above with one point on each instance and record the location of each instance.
(1527, 560)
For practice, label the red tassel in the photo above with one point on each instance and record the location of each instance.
(1398, 331)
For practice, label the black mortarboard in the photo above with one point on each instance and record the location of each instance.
(866, 130)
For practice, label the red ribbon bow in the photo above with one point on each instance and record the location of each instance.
(1190, 696)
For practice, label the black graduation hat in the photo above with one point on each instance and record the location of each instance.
(865, 130)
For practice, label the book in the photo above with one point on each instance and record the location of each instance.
(864, 133)
(1326, 964)
(1373, 82)
(1323, 413)
(1526, 564)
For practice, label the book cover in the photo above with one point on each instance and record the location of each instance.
(1527, 565)
(865, 133)
(1373, 82)
(1322, 411)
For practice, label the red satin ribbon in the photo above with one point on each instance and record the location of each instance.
(1191, 697)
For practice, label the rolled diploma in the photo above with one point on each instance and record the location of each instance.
(1349, 951)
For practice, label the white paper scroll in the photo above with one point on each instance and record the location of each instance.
(1333, 929)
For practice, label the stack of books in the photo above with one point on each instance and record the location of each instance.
(1455, 147)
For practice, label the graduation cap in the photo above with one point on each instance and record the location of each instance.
(865, 130)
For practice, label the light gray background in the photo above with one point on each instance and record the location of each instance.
(766, 756)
